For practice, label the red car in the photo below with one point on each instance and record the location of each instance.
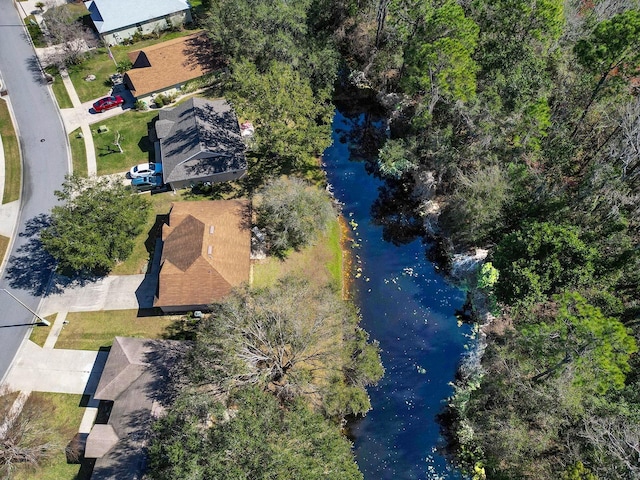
(107, 103)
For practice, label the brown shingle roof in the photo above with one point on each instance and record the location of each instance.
(206, 252)
(168, 63)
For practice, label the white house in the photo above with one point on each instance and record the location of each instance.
(118, 20)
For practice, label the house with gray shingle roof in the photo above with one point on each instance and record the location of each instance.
(199, 141)
(118, 20)
(134, 384)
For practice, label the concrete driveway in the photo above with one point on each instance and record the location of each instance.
(39, 369)
(115, 292)
(83, 115)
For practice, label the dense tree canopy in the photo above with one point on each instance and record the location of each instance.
(95, 226)
(254, 437)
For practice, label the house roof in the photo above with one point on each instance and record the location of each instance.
(110, 15)
(168, 63)
(134, 378)
(199, 138)
(206, 252)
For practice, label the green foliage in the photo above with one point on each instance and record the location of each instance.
(291, 125)
(487, 276)
(614, 43)
(396, 158)
(254, 437)
(265, 31)
(141, 105)
(541, 259)
(292, 213)
(580, 337)
(439, 59)
(578, 471)
(96, 225)
(475, 208)
(123, 66)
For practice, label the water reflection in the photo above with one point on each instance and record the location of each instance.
(406, 305)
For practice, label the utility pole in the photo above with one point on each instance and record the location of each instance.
(42, 321)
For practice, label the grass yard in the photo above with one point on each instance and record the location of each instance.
(320, 263)
(138, 261)
(4, 244)
(78, 153)
(61, 416)
(60, 91)
(40, 333)
(12, 163)
(92, 330)
(133, 128)
(100, 65)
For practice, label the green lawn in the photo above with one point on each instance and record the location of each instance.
(320, 263)
(61, 416)
(133, 128)
(78, 153)
(100, 65)
(12, 164)
(40, 333)
(92, 330)
(4, 243)
(60, 91)
(142, 254)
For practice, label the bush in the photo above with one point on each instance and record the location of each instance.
(292, 213)
(141, 106)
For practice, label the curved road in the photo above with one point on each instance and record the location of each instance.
(45, 163)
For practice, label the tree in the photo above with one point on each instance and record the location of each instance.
(612, 50)
(580, 337)
(67, 32)
(292, 213)
(540, 259)
(262, 337)
(250, 437)
(438, 61)
(292, 126)
(96, 226)
(475, 208)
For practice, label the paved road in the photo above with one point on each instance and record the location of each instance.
(46, 161)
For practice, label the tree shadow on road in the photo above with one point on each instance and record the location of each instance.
(31, 267)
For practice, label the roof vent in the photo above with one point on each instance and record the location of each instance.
(210, 250)
(211, 230)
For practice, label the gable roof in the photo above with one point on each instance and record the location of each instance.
(206, 252)
(168, 63)
(110, 15)
(199, 138)
(134, 378)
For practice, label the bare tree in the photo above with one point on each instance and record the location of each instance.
(284, 338)
(617, 439)
(24, 440)
(67, 33)
(116, 141)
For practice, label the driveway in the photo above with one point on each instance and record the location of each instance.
(56, 370)
(115, 292)
(83, 115)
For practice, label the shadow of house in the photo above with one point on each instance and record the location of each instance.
(198, 142)
(166, 66)
(205, 254)
(119, 20)
(133, 380)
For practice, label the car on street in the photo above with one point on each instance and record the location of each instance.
(145, 170)
(108, 103)
(150, 182)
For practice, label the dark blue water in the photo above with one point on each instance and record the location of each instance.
(409, 308)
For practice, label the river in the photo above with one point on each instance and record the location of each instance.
(409, 308)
